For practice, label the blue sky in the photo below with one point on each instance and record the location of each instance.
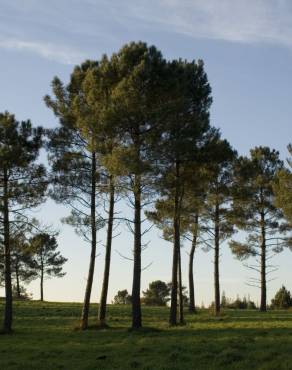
(247, 49)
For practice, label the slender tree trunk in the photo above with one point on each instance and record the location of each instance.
(104, 291)
(136, 287)
(7, 325)
(18, 293)
(85, 310)
(216, 262)
(42, 280)
(263, 306)
(175, 257)
(192, 306)
(180, 291)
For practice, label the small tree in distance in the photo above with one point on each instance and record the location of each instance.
(47, 261)
(282, 299)
(122, 297)
(157, 294)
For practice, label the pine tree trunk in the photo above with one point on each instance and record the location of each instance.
(263, 306)
(18, 293)
(104, 291)
(136, 287)
(216, 262)
(42, 282)
(175, 257)
(85, 310)
(180, 291)
(7, 326)
(192, 306)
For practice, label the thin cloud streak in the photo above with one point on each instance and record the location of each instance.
(249, 21)
(93, 24)
(49, 51)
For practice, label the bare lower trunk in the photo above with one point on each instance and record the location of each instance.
(42, 284)
(18, 292)
(175, 256)
(180, 291)
(192, 306)
(263, 306)
(86, 304)
(216, 263)
(136, 287)
(7, 325)
(104, 291)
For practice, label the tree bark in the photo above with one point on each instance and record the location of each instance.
(263, 306)
(42, 280)
(104, 291)
(136, 287)
(216, 262)
(85, 310)
(176, 248)
(18, 293)
(180, 291)
(192, 306)
(7, 325)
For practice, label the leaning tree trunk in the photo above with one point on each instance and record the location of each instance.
(263, 306)
(216, 262)
(180, 291)
(175, 256)
(104, 291)
(136, 287)
(85, 310)
(7, 325)
(192, 306)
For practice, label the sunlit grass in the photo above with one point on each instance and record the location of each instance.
(44, 338)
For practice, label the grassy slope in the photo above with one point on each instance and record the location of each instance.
(45, 338)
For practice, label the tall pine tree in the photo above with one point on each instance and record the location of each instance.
(23, 185)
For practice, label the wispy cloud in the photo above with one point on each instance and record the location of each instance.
(50, 51)
(88, 27)
(248, 21)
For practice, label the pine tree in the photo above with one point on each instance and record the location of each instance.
(22, 271)
(47, 261)
(255, 212)
(157, 294)
(218, 225)
(184, 134)
(23, 184)
(137, 104)
(282, 299)
(74, 156)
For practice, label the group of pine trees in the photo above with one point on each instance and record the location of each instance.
(136, 126)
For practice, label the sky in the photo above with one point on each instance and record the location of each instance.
(247, 50)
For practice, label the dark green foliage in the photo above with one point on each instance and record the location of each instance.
(122, 297)
(282, 299)
(157, 294)
(283, 189)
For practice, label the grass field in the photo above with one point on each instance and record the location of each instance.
(44, 338)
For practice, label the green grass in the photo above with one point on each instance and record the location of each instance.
(44, 338)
